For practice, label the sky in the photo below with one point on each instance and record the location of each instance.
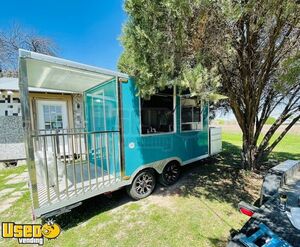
(84, 31)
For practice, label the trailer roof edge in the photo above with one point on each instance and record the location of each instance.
(46, 58)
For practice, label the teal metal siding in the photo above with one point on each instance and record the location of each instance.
(151, 148)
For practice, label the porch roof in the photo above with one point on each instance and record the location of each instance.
(54, 73)
(12, 84)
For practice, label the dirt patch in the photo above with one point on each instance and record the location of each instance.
(213, 182)
(6, 191)
(17, 193)
(6, 204)
(166, 201)
(11, 176)
(23, 177)
(165, 196)
(253, 183)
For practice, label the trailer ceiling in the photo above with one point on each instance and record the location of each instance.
(59, 74)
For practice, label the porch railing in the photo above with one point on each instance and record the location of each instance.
(70, 162)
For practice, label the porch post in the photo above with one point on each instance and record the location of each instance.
(27, 127)
(121, 129)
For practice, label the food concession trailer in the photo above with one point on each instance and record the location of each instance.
(125, 140)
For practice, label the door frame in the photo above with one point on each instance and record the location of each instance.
(119, 97)
(50, 97)
(40, 103)
(119, 90)
(93, 96)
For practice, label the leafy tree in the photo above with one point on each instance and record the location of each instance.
(246, 49)
(161, 40)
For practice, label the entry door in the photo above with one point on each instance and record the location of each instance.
(97, 112)
(101, 112)
(53, 115)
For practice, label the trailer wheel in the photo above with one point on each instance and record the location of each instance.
(170, 173)
(142, 185)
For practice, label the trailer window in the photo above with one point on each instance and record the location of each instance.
(191, 114)
(157, 114)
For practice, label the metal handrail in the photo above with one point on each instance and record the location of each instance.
(74, 163)
(76, 133)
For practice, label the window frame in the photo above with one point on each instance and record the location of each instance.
(174, 118)
(49, 115)
(180, 117)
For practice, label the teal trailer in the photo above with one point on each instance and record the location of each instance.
(125, 141)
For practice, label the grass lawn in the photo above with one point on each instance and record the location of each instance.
(288, 148)
(199, 210)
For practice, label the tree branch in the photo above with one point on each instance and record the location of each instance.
(274, 144)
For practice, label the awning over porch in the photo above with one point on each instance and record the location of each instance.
(59, 74)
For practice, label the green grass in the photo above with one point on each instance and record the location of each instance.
(288, 148)
(220, 121)
(270, 120)
(199, 210)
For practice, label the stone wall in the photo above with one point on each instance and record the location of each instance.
(11, 125)
(12, 151)
(78, 111)
(11, 129)
(11, 138)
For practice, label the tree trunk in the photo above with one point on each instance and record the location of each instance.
(252, 156)
(248, 157)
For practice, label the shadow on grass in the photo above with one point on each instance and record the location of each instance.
(92, 207)
(219, 178)
(212, 175)
(217, 242)
(282, 156)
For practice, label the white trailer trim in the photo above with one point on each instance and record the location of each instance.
(54, 73)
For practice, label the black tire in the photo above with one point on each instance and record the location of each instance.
(142, 185)
(170, 173)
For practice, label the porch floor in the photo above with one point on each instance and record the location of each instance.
(66, 185)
